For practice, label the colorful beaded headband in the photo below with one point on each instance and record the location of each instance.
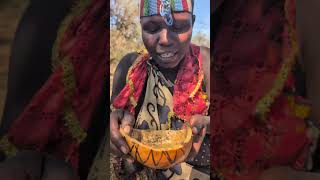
(164, 8)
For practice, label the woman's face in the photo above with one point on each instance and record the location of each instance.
(167, 44)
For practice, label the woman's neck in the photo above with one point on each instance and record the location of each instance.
(170, 73)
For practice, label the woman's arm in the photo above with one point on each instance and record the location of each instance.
(206, 68)
(119, 78)
(287, 173)
(308, 26)
(205, 52)
(30, 60)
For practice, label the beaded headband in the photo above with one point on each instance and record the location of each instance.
(164, 8)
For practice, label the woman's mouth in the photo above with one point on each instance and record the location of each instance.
(167, 55)
(168, 59)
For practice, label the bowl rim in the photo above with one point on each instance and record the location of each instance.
(186, 141)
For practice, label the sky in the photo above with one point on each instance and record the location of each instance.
(202, 12)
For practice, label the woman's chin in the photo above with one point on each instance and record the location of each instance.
(168, 62)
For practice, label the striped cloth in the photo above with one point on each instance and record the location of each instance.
(152, 7)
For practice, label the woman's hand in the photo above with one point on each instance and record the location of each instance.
(287, 173)
(199, 125)
(34, 165)
(118, 145)
(120, 118)
(279, 173)
(24, 164)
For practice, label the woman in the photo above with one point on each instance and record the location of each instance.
(261, 127)
(48, 130)
(166, 33)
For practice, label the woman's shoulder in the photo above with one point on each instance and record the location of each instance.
(127, 60)
(120, 74)
(205, 53)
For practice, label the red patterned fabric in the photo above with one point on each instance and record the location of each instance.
(251, 46)
(189, 80)
(83, 51)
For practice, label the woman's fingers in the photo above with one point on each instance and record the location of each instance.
(115, 136)
(127, 122)
(199, 126)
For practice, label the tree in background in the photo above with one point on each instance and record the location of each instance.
(125, 32)
(201, 39)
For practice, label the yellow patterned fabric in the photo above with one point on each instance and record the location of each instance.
(157, 98)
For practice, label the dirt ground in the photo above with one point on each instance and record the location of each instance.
(10, 13)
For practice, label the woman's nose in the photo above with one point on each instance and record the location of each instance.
(164, 39)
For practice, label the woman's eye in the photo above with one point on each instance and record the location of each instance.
(177, 29)
(152, 29)
(180, 29)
